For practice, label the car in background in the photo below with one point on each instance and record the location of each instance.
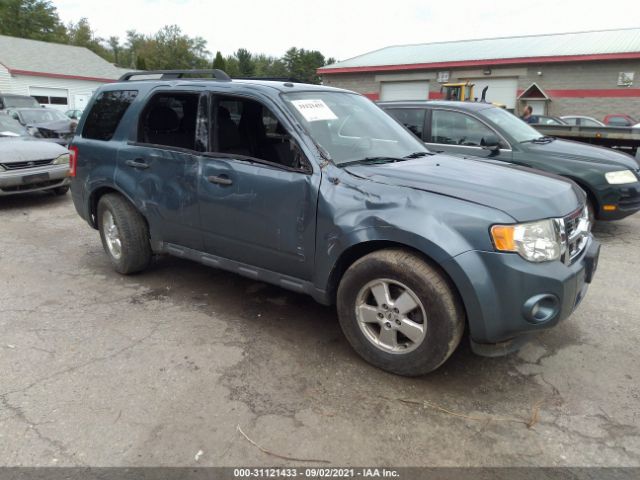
(619, 120)
(29, 165)
(8, 100)
(73, 114)
(546, 120)
(474, 129)
(582, 121)
(45, 123)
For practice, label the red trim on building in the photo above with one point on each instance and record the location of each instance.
(436, 96)
(59, 75)
(485, 63)
(372, 96)
(589, 93)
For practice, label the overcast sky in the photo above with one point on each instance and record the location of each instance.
(346, 28)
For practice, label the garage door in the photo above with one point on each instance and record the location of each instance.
(51, 97)
(404, 90)
(501, 90)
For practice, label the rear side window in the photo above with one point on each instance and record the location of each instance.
(106, 113)
(412, 118)
(175, 120)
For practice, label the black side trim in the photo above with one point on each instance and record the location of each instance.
(249, 271)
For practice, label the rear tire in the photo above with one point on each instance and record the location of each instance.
(59, 191)
(124, 234)
(420, 301)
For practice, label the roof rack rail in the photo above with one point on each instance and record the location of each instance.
(275, 79)
(175, 74)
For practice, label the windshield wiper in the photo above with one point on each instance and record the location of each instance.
(372, 161)
(543, 139)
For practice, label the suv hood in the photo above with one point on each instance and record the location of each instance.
(522, 193)
(581, 151)
(26, 149)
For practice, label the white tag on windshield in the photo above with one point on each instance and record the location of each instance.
(314, 110)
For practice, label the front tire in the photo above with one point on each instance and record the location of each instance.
(399, 313)
(124, 234)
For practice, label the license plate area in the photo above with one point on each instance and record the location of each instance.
(35, 178)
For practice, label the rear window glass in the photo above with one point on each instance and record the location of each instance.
(106, 113)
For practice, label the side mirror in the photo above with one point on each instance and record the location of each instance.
(490, 142)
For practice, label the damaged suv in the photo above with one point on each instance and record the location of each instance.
(317, 190)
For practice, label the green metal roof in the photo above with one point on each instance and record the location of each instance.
(20, 55)
(604, 42)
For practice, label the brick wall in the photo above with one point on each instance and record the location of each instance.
(601, 75)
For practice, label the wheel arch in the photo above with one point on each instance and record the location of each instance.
(358, 250)
(589, 191)
(95, 196)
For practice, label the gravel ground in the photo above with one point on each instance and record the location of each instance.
(162, 367)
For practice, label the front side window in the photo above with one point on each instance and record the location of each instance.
(349, 127)
(455, 128)
(571, 121)
(247, 128)
(412, 118)
(106, 113)
(171, 119)
(619, 122)
(510, 124)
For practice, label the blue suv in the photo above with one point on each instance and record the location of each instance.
(317, 190)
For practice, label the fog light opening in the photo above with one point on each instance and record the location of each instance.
(541, 308)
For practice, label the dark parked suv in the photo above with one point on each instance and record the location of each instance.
(610, 178)
(317, 190)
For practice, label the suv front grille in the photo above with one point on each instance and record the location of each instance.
(574, 231)
(21, 165)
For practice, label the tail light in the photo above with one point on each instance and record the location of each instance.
(73, 160)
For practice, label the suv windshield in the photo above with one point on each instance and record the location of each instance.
(10, 127)
(350, 127)
(512, 125)
(42, 116)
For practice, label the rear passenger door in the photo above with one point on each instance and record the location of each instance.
(257, 191)
(159, 165)
(412, 118)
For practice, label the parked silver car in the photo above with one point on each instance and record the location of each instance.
(28, 164)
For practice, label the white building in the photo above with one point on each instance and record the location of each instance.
(57, 75)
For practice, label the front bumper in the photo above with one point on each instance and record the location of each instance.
(626, 199)
(506, 296)
(33, 179)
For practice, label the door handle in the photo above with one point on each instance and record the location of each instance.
(137, 163)
(220, 180)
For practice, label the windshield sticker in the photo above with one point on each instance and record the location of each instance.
(314, 110)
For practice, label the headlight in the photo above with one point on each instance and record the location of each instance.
(62, 159)
(535, 241)
(620, 177)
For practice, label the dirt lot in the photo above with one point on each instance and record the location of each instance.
(161, 368)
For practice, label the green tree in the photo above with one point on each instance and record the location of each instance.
(167, 49)
(303, 64)
(246, 63)
(34, 19)
(81, 35)
(114, 43)
(219, 62)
